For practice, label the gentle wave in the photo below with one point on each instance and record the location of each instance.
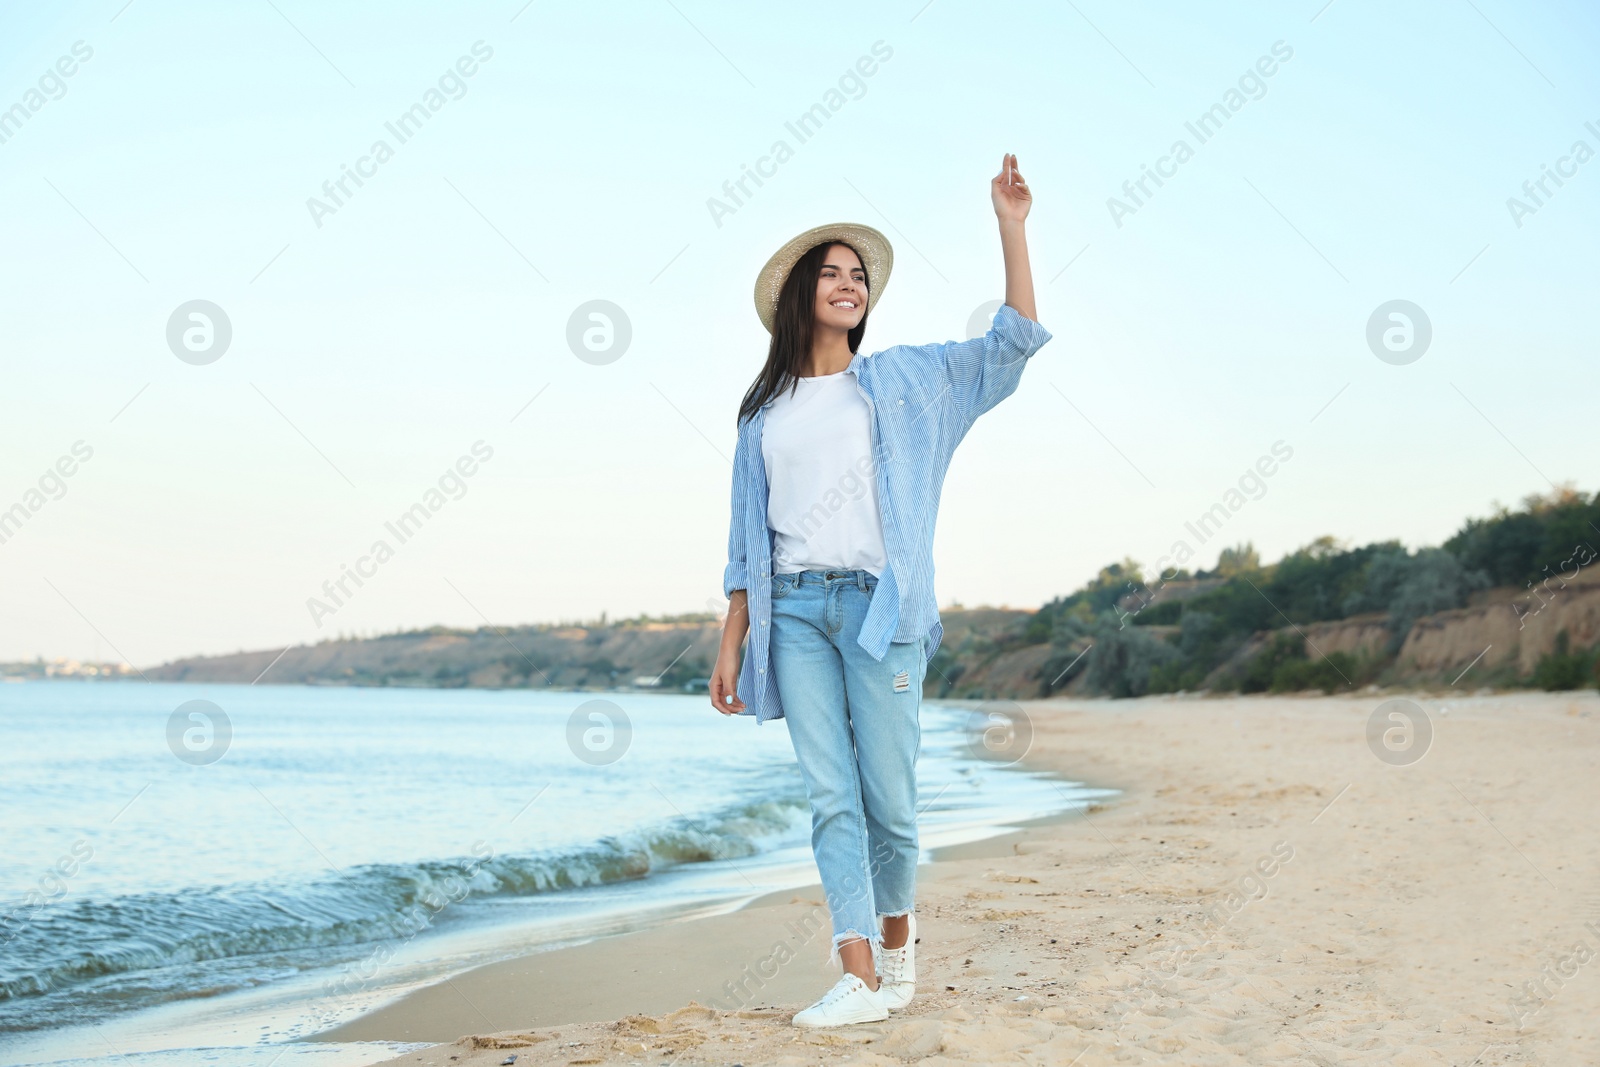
(64, 946)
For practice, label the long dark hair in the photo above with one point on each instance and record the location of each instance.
(791, 334)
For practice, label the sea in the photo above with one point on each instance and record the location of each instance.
(214, 874)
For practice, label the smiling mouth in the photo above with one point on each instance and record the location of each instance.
(846, 305)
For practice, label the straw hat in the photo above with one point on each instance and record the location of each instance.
(877, 256)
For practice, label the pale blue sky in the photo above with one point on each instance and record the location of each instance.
(372, 352)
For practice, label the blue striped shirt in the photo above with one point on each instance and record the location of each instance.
(924, 399)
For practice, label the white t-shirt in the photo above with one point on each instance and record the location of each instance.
(822, 484)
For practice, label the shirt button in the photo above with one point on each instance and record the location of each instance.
(761, 670)
(902, 403)
(763, 622)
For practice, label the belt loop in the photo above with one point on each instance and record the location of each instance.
(861, 580)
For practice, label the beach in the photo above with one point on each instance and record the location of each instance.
(1281, 882)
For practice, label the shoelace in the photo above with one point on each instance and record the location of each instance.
(841, 989)
(891, 963)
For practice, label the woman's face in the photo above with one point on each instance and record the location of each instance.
(841, 289)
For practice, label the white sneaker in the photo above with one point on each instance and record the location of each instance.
(849, 1001)
(897, 970)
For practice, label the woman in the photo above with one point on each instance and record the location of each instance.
(835, 491)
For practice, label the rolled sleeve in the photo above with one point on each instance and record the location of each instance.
(735, 576)
(985, 370)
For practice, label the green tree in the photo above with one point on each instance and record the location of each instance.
(1240, 559)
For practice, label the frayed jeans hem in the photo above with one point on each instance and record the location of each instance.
(875, 943)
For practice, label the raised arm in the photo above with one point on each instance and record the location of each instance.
(1012, 200)
(980, 372)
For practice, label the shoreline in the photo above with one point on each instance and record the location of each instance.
(269, 1000)
(1267, 890)
(692, 952)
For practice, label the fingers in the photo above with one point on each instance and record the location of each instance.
(1009, 174)
(720, 690)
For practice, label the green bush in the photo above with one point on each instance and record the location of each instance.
(1284, 667)
(1123, 660)
(1330, 673)
(1176, 676)
(1284, 650)
(1564, 669)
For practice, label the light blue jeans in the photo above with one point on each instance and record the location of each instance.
(856, 727)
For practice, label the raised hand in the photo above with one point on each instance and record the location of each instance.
(1009, 192)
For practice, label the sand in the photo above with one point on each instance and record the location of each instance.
(1267, 891)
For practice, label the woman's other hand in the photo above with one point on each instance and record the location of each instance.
(725, 675)
(725, 683)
